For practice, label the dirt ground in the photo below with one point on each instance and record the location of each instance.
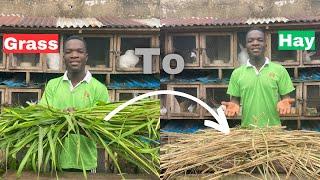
(73, 176)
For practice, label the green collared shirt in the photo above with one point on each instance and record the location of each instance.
(259, 92)
(61, 94)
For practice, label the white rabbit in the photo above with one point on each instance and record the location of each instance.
(307, 55)
(243, 55)
(176, 106)
(191, 108)
(128, 60)
(53, 60)
(163, 110)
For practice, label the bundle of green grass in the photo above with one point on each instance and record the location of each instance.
(38, 132)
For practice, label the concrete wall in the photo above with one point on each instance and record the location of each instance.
(237, 8)
(161, 8)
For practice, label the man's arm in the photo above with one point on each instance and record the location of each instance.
(47, 95)
(284, 106)
(232, 107)
(285, 87)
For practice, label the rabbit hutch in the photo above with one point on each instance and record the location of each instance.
(220, 46)
(212, 49)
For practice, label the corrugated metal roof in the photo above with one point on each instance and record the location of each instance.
(108, 21)
(37, 22)
(303, 18)
(78, 22)
(114, 22)
(210, 21)
(153, 22)
(62, 22)
(266, 20)
(10, 20)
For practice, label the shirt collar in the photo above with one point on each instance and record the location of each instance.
(87, 78)
(267, 61)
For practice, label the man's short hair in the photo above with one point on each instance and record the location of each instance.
(255, 28)
(75, 37)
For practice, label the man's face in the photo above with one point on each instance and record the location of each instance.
(75, 55)
(255, 43)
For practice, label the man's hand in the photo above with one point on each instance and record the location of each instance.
(284, 106)
(232, 109)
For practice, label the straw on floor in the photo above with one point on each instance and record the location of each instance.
(267, 152)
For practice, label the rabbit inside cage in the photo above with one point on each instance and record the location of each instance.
(21, 98)
(217, 49)
(182, 104)
(128, 44)
(313, 56)
(98, 57)
(285, 56)
(185, 46)
(26, 60)
(241, 49)
(214, 96)
(163, 106)
(313, 100)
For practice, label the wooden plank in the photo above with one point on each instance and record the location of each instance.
(27, 77)
(131, 91)
(112, 95)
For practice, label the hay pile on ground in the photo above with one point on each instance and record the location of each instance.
(267, 152)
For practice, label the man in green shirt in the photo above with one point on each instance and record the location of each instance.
(259, 86)
(74, 90)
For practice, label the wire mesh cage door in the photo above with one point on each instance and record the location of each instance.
(99, 58)
(187, 46)
(297, 95)
(312, 99)
(181, 106)
(312, 56)
(126, 60)
(285, 57)
(21, 97)
(25, 61)
(217, 49)
(214, 95)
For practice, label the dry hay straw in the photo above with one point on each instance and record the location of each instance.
(267, 152)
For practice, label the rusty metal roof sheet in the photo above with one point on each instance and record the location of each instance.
(78, 22)
(115, 22)
(210, 21)
(10, 20)
(108, 21)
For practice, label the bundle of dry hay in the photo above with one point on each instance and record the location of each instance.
(267, 152)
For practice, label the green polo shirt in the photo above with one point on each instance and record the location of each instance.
(260, 92)
(61, 94)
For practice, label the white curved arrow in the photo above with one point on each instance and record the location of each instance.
(223, 125)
